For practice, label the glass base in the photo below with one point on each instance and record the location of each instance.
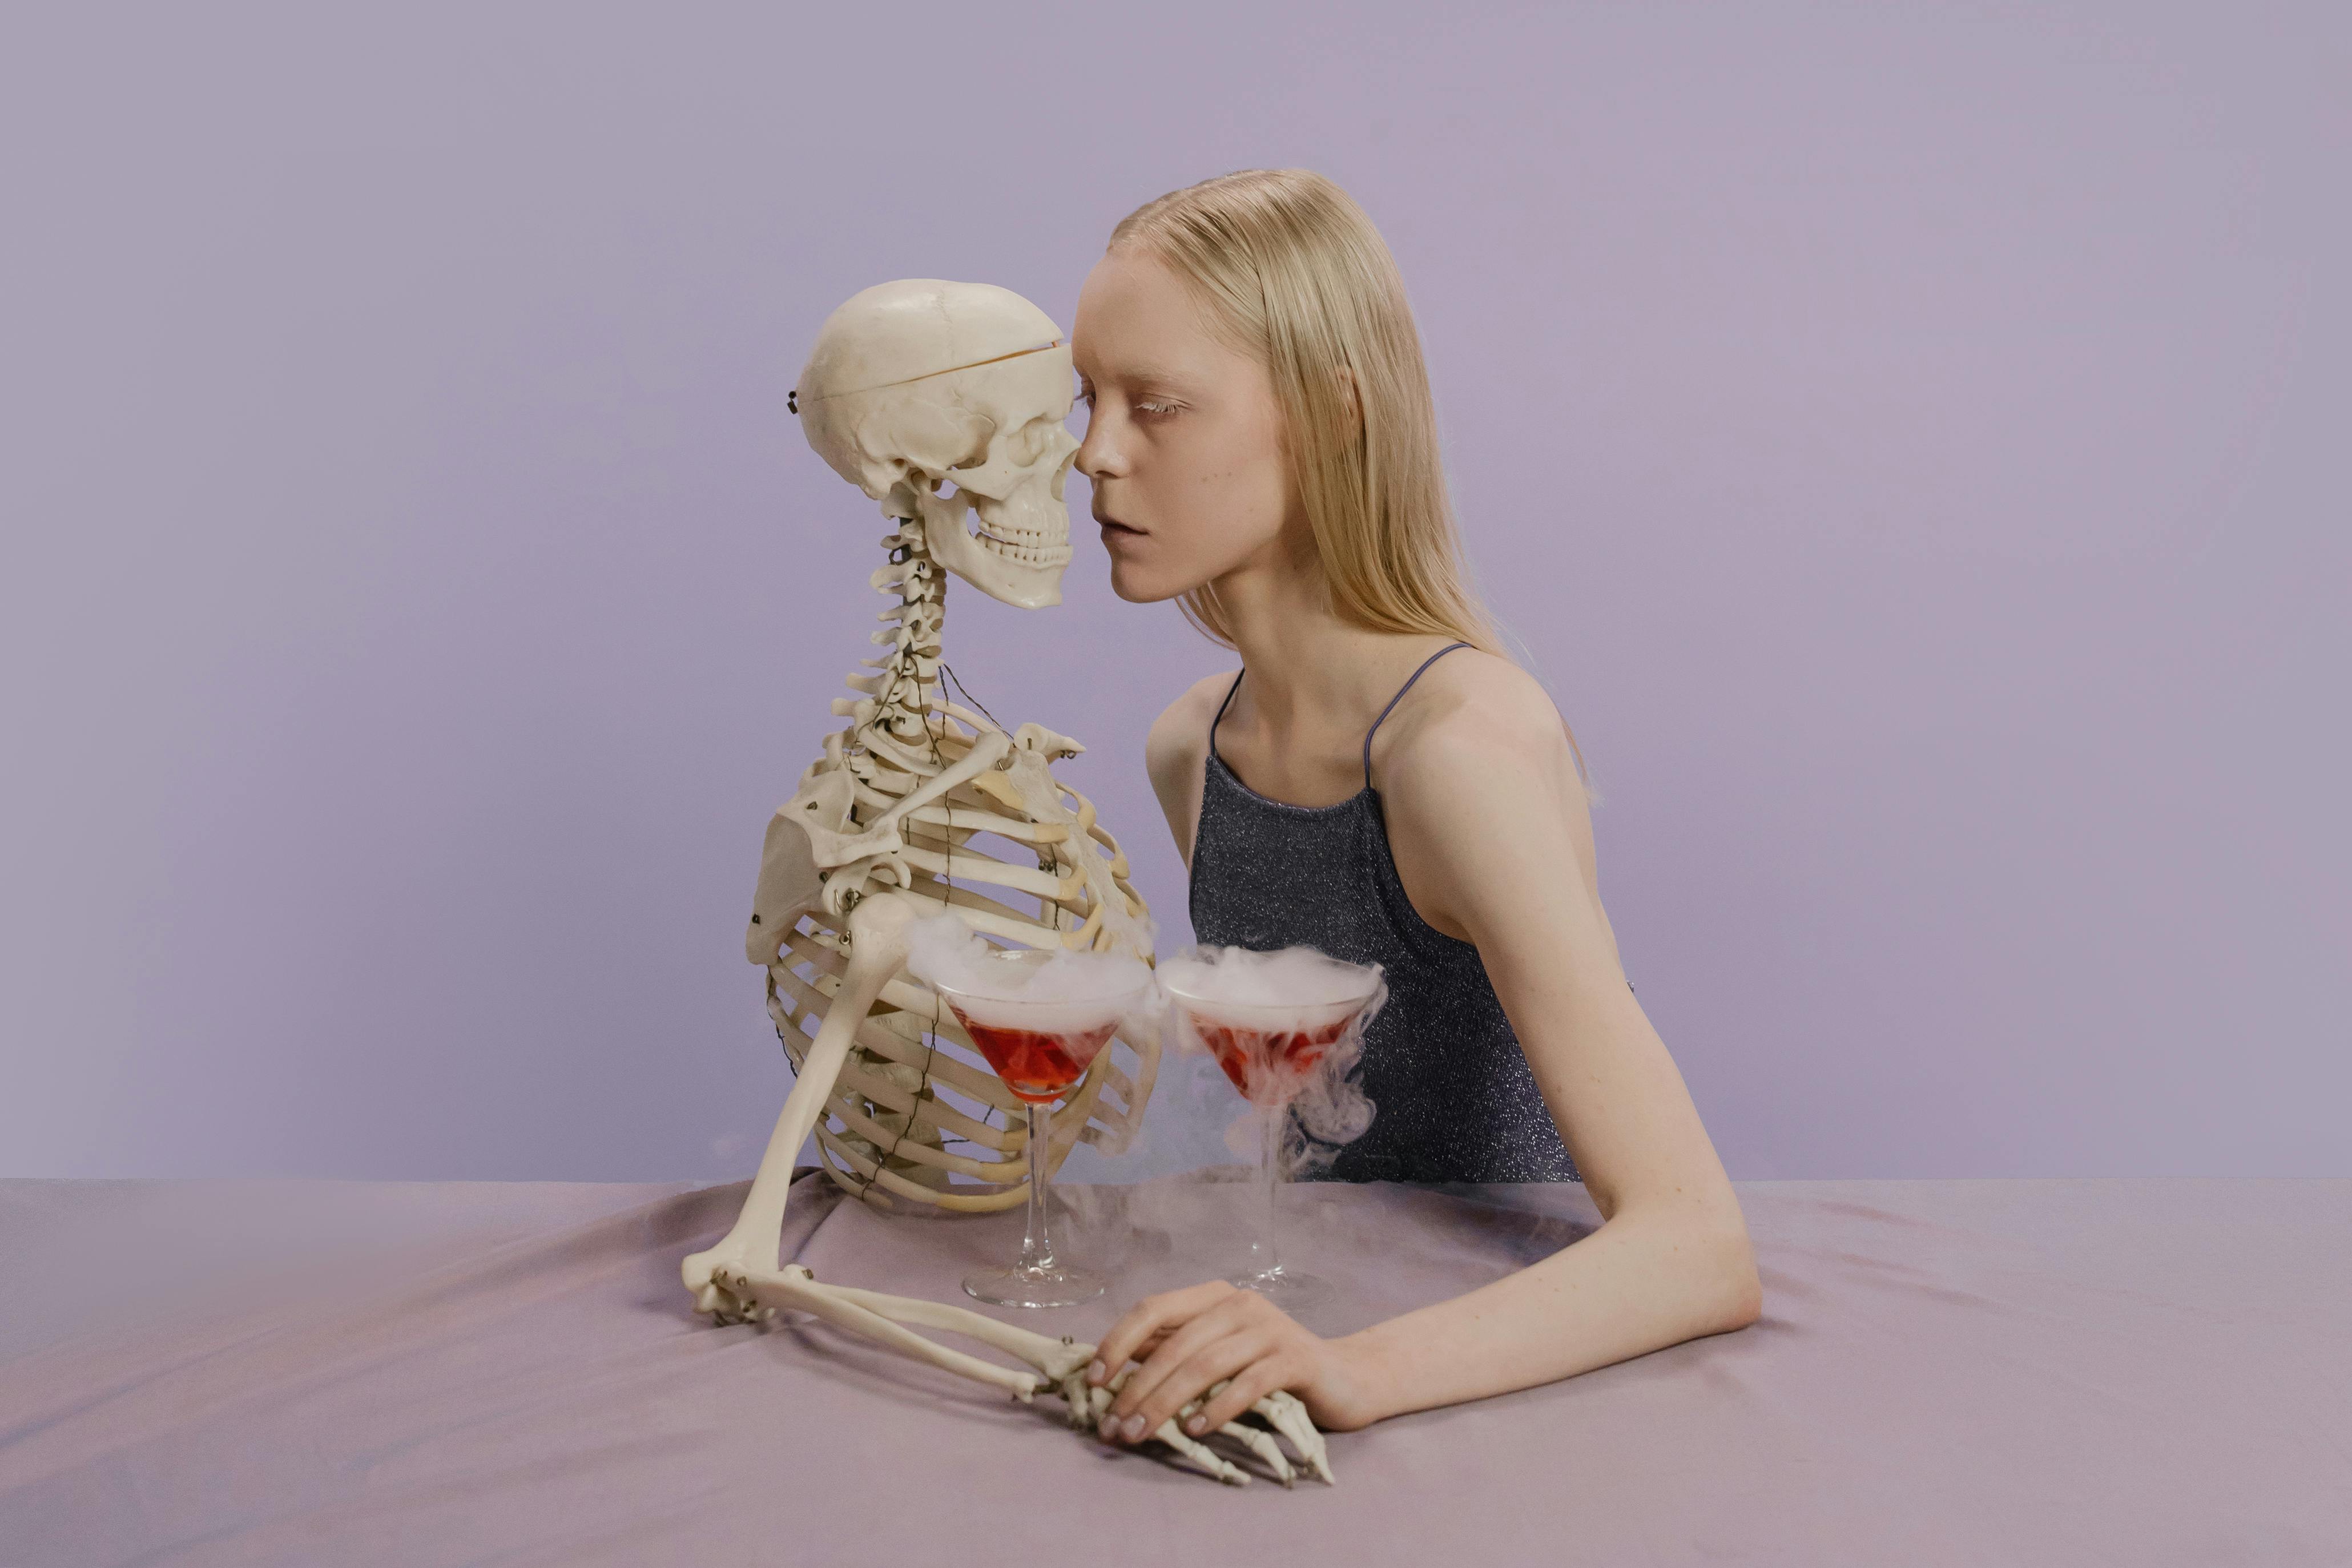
(1286, 1288)
(1019, 1287)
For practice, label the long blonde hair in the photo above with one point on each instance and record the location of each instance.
(1294, 275)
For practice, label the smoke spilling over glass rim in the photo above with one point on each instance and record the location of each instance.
(1354, 986)
(1065, 1012)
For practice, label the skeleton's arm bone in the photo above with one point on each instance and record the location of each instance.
(877, 1037)
(1057, 1362)
(876, 1040)
(1065, 1136)
(823, 951)
(882, 1037)
(794, 1289)
(1056, 1358)
(879, 927)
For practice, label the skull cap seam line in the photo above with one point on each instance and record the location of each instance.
(927, 375)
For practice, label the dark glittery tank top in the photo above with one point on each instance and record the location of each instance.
(1453, 1097)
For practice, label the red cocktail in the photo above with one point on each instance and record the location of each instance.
(1037, 1066)
(1268, 1064)
(1041, 1046)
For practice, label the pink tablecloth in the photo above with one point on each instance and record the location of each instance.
(1948, 1372)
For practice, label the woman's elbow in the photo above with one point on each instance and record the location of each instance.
(1717, 1287)
(1740, 1289)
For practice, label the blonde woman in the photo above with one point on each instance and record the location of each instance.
(1378, 780)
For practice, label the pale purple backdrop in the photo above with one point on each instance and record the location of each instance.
(1910, 441)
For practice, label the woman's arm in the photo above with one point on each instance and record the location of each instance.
(1488, 819)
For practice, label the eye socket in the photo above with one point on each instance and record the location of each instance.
(978, 455)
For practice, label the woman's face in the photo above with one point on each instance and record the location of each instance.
(1182, 438)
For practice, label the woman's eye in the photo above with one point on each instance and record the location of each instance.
(1085, 397)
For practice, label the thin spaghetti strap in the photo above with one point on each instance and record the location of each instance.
(1222, 706)
(1384, 712)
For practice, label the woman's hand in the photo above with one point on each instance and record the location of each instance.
(1187, 1340)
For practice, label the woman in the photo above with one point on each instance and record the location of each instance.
(1380, 781)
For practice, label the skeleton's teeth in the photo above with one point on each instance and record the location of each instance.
(1027, 549)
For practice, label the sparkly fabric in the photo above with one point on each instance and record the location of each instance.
(1453, 1096)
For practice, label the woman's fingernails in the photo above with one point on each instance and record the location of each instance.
(1197, 1425)
(1096, 1372)
(1133, 1428)
(1108, 1425)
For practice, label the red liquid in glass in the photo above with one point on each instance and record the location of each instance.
(1036, 1066)
(1268, 1061)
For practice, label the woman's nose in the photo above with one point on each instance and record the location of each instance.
(1095, 454)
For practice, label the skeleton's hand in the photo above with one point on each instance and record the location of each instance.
(1189, 1340)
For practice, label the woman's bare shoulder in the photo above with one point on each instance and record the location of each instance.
(1480, 782)
(1470, 709)
(1176, 752)
(1178, 742)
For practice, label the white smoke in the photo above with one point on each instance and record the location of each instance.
(1065, 990)
(1224, 986)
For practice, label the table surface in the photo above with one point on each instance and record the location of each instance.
(1963, 1372)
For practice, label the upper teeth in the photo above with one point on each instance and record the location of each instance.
(1028, 549)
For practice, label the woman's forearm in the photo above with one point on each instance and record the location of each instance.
(1641, 1283)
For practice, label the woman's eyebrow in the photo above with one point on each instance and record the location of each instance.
(1155, 375)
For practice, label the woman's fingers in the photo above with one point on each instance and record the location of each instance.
(1147, 1323)
(1249, 1384)
(1225, 1318)
(1230, 1355)
(1244, 1333)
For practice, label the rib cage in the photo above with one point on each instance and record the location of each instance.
(916, 1117)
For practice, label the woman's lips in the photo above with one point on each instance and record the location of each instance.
(1118, 530)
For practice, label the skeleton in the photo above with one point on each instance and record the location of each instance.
(912, 386)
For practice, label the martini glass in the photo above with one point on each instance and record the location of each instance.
(1040, 1048)
(1269, 1050)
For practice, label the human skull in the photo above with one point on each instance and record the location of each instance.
(924, 382)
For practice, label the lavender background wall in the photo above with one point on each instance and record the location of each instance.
(1909, 440)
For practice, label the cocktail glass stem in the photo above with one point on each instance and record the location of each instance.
(1265, 1255)
(1265, 1272)
(1036, 1246)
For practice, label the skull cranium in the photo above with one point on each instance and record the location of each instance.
(923, 382)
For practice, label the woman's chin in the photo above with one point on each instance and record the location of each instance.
(1139, 587)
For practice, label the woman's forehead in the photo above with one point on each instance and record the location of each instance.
(1137, 321)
